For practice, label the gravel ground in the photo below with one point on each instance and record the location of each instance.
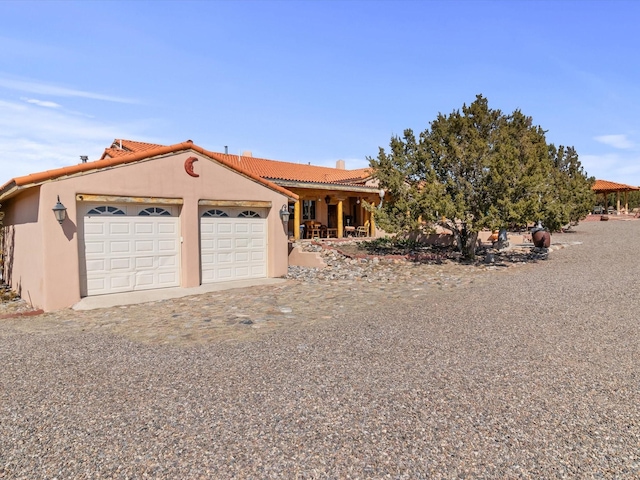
(534, 374)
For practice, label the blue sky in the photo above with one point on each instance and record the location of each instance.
(312, 81)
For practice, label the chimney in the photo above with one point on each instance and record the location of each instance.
(84, 158)
(340, 165)
(247, 153)
(226, 150)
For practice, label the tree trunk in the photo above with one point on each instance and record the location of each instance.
(467, 243)
(465, 239)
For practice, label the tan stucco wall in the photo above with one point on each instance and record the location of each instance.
(59, 264)
(23, 246)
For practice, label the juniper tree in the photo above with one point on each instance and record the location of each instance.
(472, 169)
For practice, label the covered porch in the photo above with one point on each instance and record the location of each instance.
(333, 211)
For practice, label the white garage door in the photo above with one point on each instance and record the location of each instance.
(233, 247)
(131, 248)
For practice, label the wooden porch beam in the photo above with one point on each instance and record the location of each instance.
(296, 220)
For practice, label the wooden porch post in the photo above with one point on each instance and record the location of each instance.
(340, 226)
(372, 225)
(296, 220)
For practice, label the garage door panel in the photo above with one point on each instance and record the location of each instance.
(96, 265)
(207, 277)
(119, 264)
(143, 228)
(120, 229)
(223, 258)
(96, 284)
(232, 248)
(119, 247)
(224, 273)
(167, 229)
(258, 271)
(143, 262)
(167, 261)
(258, 228)
(144, 279)
(167, 278)
(257, 256)
(94, 247)
(225, 244)
(242, 271)
(242, 228)
(126, 253)
(167, 246)
(241, 242)
(94, 229)
(241, 257)
(144, 246)
(224, 228)
(207, 228)
(257, 242)
(120, 283)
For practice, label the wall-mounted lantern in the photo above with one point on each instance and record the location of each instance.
(60, 211)
(284, 214)
(327, 199)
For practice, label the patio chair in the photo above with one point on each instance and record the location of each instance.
(363, 230)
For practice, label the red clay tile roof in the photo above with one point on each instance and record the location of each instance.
(276, 170)
(121, 147)
(38, 178)
(262, 170)
(602, 186)
(270, 169)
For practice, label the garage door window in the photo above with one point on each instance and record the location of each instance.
(214, 213)
(105, 210)
(249, 214)
(155, 212)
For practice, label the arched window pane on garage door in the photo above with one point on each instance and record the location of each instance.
(249, 214)
(105, 210)
(214, 213)
(155, 212)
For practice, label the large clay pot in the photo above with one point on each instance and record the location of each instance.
(541, 238)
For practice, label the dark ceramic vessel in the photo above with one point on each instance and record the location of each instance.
(541, 239)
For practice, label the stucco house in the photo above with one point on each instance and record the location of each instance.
(159, 216)
(329, 196)
(148, 216)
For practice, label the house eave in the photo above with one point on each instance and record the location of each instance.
(325, 186)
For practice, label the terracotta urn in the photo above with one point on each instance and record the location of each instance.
(541, 238)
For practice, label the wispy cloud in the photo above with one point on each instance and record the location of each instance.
(41, 103)
(615, 141)
(34, 139)
(57, 91)
(623, 168)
